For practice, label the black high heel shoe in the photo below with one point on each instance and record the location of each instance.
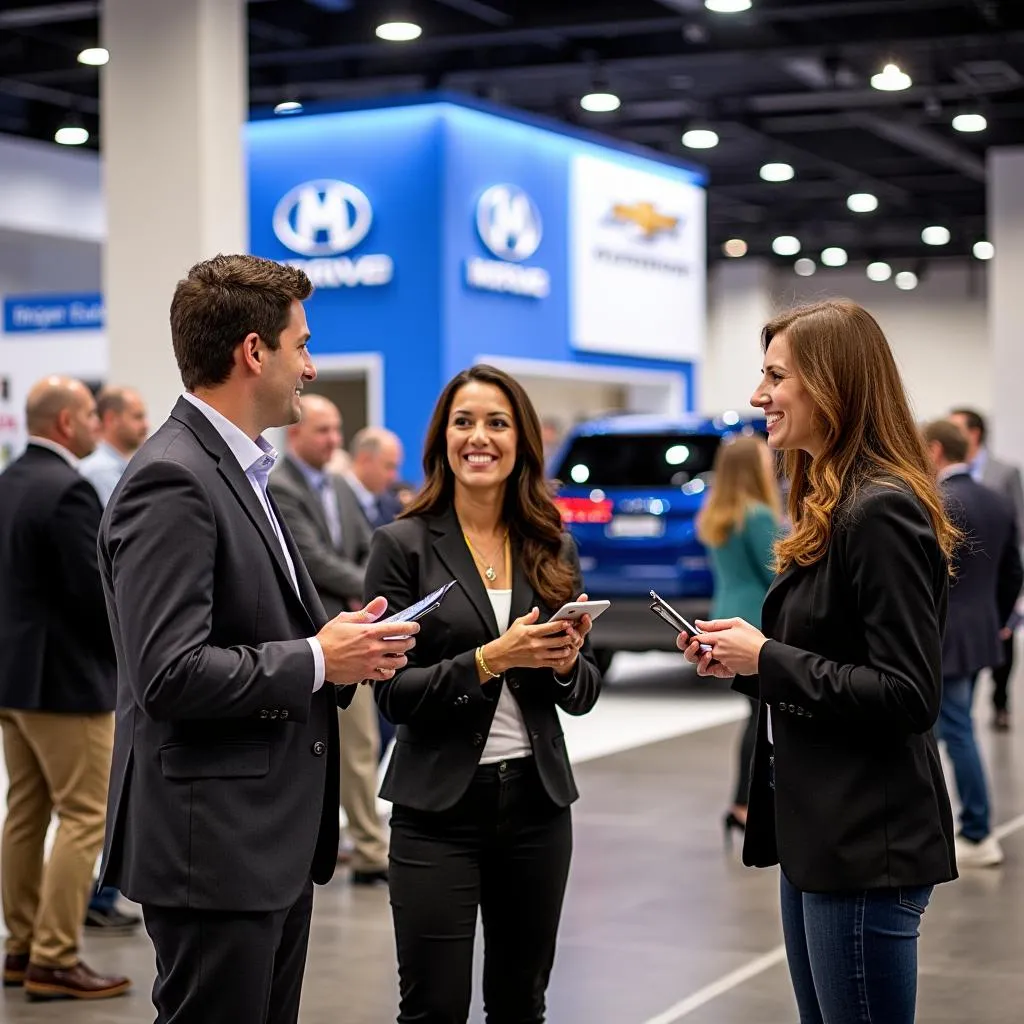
(730, 822)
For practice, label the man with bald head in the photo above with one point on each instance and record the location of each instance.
(57, 694)
(333, 537)
(123, 428)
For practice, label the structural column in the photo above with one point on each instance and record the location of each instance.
(1006, 299)
(174, 100)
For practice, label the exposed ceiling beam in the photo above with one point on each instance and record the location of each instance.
(823, 9)
(479, 10)
(780, 103)
(924, 143)
(48, 14)
(44, 94)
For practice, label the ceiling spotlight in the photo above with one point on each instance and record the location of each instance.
(288, 107)
(970, 122)
(777, 172)
(399, 31)
(97, 56)
(983, 250)
(804, 267)
(600, 102)
(935, 235)
(879, 271)
(786, 245)
(834, 256)
(862, 202)
(71, 135)
(700, 138)
(727, 6)
(906, 280)
(735, 248)
(891, 79)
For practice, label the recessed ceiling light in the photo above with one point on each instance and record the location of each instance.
(970, 122)
(288, 107)
(71, 135)
(600, 102)
(399, 31)
(935, 235)
(834, 256)
(786, 245)
(879, 271)
(97, 56)
(727, 6)
(984, 250)
(805, 267)
(862, 202)
(735, 248)
(906, 280)
(891, 79)
(777, 172)
(700, 138)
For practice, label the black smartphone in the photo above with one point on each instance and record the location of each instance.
(667, 613)
(424, 606)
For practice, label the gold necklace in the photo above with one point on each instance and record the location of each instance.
(487, 564)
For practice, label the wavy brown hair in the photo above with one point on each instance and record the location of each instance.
(741, 480)
(533, 521)
(844, 362)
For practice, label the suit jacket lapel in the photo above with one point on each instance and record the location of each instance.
(773, 598)
(451, 548)
(307, 592)
(312, 500)
(523, 596)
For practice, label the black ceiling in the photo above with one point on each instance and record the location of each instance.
(786, 81)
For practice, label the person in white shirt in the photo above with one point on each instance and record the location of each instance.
(123, 428)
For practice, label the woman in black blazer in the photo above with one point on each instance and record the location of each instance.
(847, 791)
(479, 776)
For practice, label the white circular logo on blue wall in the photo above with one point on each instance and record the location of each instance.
(508, 223)
(323, 218)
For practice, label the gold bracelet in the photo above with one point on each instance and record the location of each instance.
(482, 664)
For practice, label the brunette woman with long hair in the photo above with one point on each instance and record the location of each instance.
(479, 777)
(847, 793)
(739, 525)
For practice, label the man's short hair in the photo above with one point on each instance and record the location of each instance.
(950, 439)
(221, 302)
(370, 440)
(111, 399)
(974, 421)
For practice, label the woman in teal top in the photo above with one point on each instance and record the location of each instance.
(739, 525)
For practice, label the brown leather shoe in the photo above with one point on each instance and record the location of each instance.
(14, 969)
(77, 982)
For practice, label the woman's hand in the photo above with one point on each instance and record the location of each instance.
(529, 644)
(575, 633)
(735, 648)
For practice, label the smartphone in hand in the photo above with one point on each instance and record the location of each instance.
(667, 613)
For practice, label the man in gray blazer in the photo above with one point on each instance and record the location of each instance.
(223, 804)
(333, 536)
(1004, 478)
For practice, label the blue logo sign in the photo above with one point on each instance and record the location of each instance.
(508, 223)
(323, 218)
(42, 313)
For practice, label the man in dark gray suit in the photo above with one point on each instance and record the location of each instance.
(1004, 479)
(333, 536)
(223, 806)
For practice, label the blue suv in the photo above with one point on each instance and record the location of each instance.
(629, 489)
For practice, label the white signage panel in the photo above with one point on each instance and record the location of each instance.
(637, 262)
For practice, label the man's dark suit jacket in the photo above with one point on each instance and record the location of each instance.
(336, 574)
(224, 785)
(55, 648)
(852, 674)
(442, 711)
(987, 578)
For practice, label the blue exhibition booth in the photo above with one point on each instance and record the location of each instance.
(440, 231)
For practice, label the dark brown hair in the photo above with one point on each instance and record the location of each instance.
(533, 521)
(949, 437)
(843, 360)
(220, 303)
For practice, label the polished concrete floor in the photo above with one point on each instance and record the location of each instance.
(661, 924)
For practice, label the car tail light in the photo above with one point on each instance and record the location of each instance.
(584, 510)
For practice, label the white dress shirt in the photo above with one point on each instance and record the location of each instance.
(257, 459)
(103, 469)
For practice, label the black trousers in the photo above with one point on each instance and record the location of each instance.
(1001, 678)
(227, 966)
(746, 756)
(503, 849)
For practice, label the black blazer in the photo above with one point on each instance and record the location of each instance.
(987, 578)
(442, 711)
(224, 784)
(853, 677)
(55, 648)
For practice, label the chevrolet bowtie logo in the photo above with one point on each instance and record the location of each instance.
(645, 217)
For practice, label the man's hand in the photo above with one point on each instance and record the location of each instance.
(356, 646)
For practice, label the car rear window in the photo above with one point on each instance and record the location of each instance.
(638, 460)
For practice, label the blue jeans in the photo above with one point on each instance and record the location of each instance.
(956, 727)
(853, 956)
